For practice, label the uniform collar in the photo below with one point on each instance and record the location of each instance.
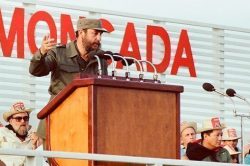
(71, 50)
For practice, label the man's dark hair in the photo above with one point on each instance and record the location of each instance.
(77, 33)
(205, 132)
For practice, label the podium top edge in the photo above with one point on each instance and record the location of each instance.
(105, 82)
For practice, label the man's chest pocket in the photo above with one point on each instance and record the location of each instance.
(68, 72)
(69, 68)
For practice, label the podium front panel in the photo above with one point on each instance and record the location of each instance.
(136, 122)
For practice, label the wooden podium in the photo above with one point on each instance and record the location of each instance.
(114, 117)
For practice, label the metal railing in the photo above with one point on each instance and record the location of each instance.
(35, 158)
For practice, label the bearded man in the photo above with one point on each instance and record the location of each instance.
(17, 134)
(65, 62)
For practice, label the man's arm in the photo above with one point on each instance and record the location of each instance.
(44, 60)
(41, 65)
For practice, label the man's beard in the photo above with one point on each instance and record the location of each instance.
(21, 130)
(90, 46)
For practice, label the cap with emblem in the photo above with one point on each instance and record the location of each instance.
(229, 134)
(85, 23)
(16, 108)
(211, 124)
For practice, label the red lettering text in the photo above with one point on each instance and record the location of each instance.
(35, 18)
(16, 29)
(67, 28)
(130, 40)
(162, 33)
(179, 61)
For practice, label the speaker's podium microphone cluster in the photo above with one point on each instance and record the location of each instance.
(125, 61)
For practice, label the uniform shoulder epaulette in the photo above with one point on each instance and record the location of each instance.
(59, 45)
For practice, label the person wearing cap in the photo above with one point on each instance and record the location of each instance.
(230, 138)
(17, 133)
(208, 148)
(233, 153)
(188, 134)
(65, 62)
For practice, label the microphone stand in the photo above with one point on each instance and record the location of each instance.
(140, 66)
(99, 72)
(232, 93)
(127, 74)
(155, 76)
(241, 127)
(113, 65)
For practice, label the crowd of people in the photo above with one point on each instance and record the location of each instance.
(217, 143)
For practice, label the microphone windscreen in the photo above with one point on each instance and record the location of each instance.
(100, 53)
(108, 52)
(208, 87)
(92, 53)
(117, 58)
(130, 61)
(230, 92)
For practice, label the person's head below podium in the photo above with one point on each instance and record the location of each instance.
(17, 134)
(230, 137)
(211, 133)
(18, 119)
(208, 148)
(188, 132)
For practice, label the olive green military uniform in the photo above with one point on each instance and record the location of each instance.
(220, 156)
(64, 64)
(196, 151)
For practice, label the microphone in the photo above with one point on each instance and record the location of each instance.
(231, 92)
(96, 54)
(130, 61)
(110, 55)
(210, 88)
(140, 66)
(127, 73)
(103, 55)
(155, 76)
